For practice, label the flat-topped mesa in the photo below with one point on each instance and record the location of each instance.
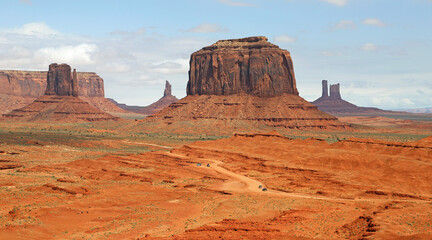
(60, 81)
(335, 91)
(247, 65)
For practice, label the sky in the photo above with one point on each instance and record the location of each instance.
(378, 50)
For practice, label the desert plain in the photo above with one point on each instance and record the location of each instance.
(105, 180)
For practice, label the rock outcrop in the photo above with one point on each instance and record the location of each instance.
(20, 88)
(246, 80)
(248, 65)
(60, 102)
(155, 107)
(60, 82)
(335, 105)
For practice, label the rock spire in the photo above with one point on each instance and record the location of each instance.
(167, 91)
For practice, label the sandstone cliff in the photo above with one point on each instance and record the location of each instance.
(248, 65)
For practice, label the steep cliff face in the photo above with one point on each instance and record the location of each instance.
(248, 65)
(90, 85)
(23, 83)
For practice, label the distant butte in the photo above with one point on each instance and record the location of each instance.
(155, 107)
(335, 105)
(60, 102)
(244, 80)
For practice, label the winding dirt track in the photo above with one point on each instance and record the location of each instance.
(242, 184)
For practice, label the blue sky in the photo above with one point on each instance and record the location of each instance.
(379, 50)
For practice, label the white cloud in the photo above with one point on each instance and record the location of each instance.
(235, 3)
(19, 51)
(339, 3)
(344, 24)
(374, 22)
(73, 55)
(35, 29)
(285, 39)
(207, 28)
(3, 40)
(172, 66)
(369, 47)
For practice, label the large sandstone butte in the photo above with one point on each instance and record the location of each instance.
(244, 80)
(20, 88)
(335, 105)
(248, 65)
(60, 102)
(155, 107)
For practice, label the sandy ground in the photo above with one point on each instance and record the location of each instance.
(107, 188)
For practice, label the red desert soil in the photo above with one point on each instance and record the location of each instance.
(351, 189)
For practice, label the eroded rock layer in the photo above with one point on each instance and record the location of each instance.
(49, 108)
(248, 65)
(286, 110)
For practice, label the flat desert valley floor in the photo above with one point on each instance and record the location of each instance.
(134, 180)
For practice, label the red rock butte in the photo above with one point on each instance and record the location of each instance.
(60, 102)
(247, 79)
(248, 65)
